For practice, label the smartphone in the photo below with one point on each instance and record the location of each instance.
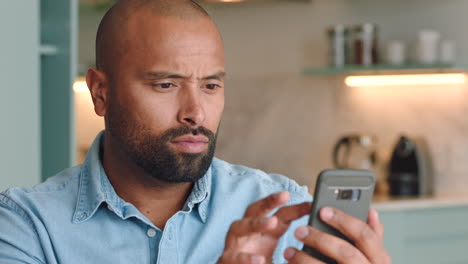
(347, 190)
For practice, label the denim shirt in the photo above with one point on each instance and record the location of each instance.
(77, 217)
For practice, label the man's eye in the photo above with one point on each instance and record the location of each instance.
(212, 86)
(163, 85)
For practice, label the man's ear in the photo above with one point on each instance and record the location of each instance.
(98, 85)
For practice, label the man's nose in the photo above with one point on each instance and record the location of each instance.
(192, 112)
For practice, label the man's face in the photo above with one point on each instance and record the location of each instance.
(167, 95)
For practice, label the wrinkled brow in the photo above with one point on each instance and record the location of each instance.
(167, 75)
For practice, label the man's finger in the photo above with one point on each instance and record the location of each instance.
(247, 226)
(365, 238)
(231, 257)
(289, 213)
(264, 206)
(294, 256)
(374, 223)
(332, 246)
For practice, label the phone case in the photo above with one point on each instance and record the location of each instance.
(347, 190)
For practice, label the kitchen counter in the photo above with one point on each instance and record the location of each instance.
(386, 203)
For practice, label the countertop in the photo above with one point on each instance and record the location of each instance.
(386, 203)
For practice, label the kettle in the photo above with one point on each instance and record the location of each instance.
(355, 151)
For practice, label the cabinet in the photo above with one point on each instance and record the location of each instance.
(437, 235)
(59, 29)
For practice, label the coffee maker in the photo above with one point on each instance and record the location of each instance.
(410, 170)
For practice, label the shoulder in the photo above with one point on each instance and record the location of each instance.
(257, 180)
(26, 214)
(56, 190)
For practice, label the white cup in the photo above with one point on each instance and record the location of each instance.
(396, 53)
(428, 47)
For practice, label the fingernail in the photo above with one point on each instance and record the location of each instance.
(326, 213)
(302, 232)
(264, 220)
(279, 195)
(256, 259)
(289, 253)
(376, 214)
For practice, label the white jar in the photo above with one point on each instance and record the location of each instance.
(428, 47)
(338, 41)
(396, 53)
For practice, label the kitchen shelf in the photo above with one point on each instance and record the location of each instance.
(381, 69)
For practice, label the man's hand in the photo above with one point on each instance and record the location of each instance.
(253, 239)
(368, 240)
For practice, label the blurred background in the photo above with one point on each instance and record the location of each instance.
(291, 107)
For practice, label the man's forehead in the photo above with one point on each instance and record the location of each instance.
(130, 19)
(147, 26)
(188, 56)
(167, 36)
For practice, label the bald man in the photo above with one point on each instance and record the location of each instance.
(150, 190)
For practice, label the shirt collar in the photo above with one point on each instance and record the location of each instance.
(95, 189)
(200, 195)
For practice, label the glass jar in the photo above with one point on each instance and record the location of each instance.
(338, 37)
(365, 39)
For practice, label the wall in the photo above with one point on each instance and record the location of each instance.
(283, 122)
(283, 37)
(19, 99)
(293, 120)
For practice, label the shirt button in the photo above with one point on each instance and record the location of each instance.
(82, 216)
(151, 232)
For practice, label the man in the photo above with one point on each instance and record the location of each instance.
(150, 190)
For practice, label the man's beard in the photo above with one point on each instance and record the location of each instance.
(152, 152)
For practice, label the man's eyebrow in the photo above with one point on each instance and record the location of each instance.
(167, 75)
(217, 76)
(161, 75)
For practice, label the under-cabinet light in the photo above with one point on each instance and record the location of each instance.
(80, 86)
(408, 79)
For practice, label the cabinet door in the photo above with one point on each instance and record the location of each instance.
(19, 97)
(439, 235)
(59, 22)
(427, 236)
(394, 235)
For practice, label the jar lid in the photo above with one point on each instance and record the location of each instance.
(367, 27)
(337, 29)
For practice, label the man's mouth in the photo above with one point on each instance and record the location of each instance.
(190, 143)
